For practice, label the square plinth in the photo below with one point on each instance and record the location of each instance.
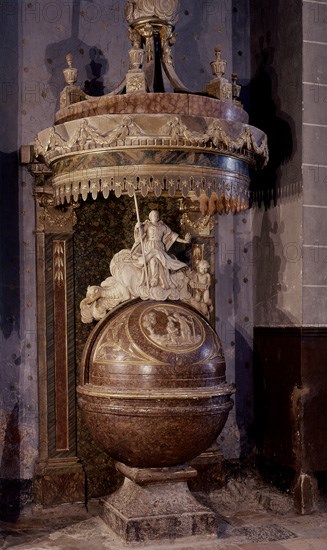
(139, 513)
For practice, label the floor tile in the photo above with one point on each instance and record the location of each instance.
(262, 546)
(307, 544)
(265, 533)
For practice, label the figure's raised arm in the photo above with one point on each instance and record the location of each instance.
(186, 240)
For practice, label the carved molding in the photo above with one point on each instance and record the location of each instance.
(152, 153)
(231, 190)
(130, 131)
(59, 263)
(51, 218)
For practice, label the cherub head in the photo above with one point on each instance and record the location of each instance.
(203, 266)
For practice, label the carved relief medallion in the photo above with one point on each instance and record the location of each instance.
(171, 327)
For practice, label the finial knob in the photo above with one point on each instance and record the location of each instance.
(218, 65)
(69, 59)
(70, 73)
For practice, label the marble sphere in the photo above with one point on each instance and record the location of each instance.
(153, 391)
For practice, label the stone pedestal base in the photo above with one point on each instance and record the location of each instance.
(59, 481)
(155, 504)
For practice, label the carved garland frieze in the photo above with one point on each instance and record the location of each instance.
(152, 153)
(129, 133)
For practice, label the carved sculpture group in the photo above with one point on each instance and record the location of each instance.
(147, 271)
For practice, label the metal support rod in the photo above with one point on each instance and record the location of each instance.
(142, 244)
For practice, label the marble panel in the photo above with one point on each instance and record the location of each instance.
(314, 21)
(182, 104)
(315, 184)
(60, 485)
(315, 62)
(314, 143)
(220, 109)
(315, 225)
(315, 103)
(277, 267)
(314, 265)
(314, 305)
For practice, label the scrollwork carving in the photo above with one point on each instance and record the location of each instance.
(168, 38)
(202, 226)
(51, 218)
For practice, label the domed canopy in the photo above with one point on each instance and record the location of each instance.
(141, 139)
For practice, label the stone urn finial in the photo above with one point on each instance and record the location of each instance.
(218, 66)
(70, 73)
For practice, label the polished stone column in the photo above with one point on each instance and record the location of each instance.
(59, 474)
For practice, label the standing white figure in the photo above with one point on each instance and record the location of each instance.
(157, 239)
(200, 283)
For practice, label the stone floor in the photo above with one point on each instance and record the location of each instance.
(250, 516)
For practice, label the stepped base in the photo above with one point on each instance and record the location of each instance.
(154, 504)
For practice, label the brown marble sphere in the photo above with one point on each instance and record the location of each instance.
(153, 390)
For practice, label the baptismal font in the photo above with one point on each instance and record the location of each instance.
(152, 387)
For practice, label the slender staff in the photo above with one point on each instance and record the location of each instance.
(142, 244)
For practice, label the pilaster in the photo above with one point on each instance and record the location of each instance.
(59, 476)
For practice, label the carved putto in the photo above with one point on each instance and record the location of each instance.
(200, 284)
(149, 271)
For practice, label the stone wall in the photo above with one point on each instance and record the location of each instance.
(314, 164)
(290, 277)
(276, 107)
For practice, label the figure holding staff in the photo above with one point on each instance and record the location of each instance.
(153, 238)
